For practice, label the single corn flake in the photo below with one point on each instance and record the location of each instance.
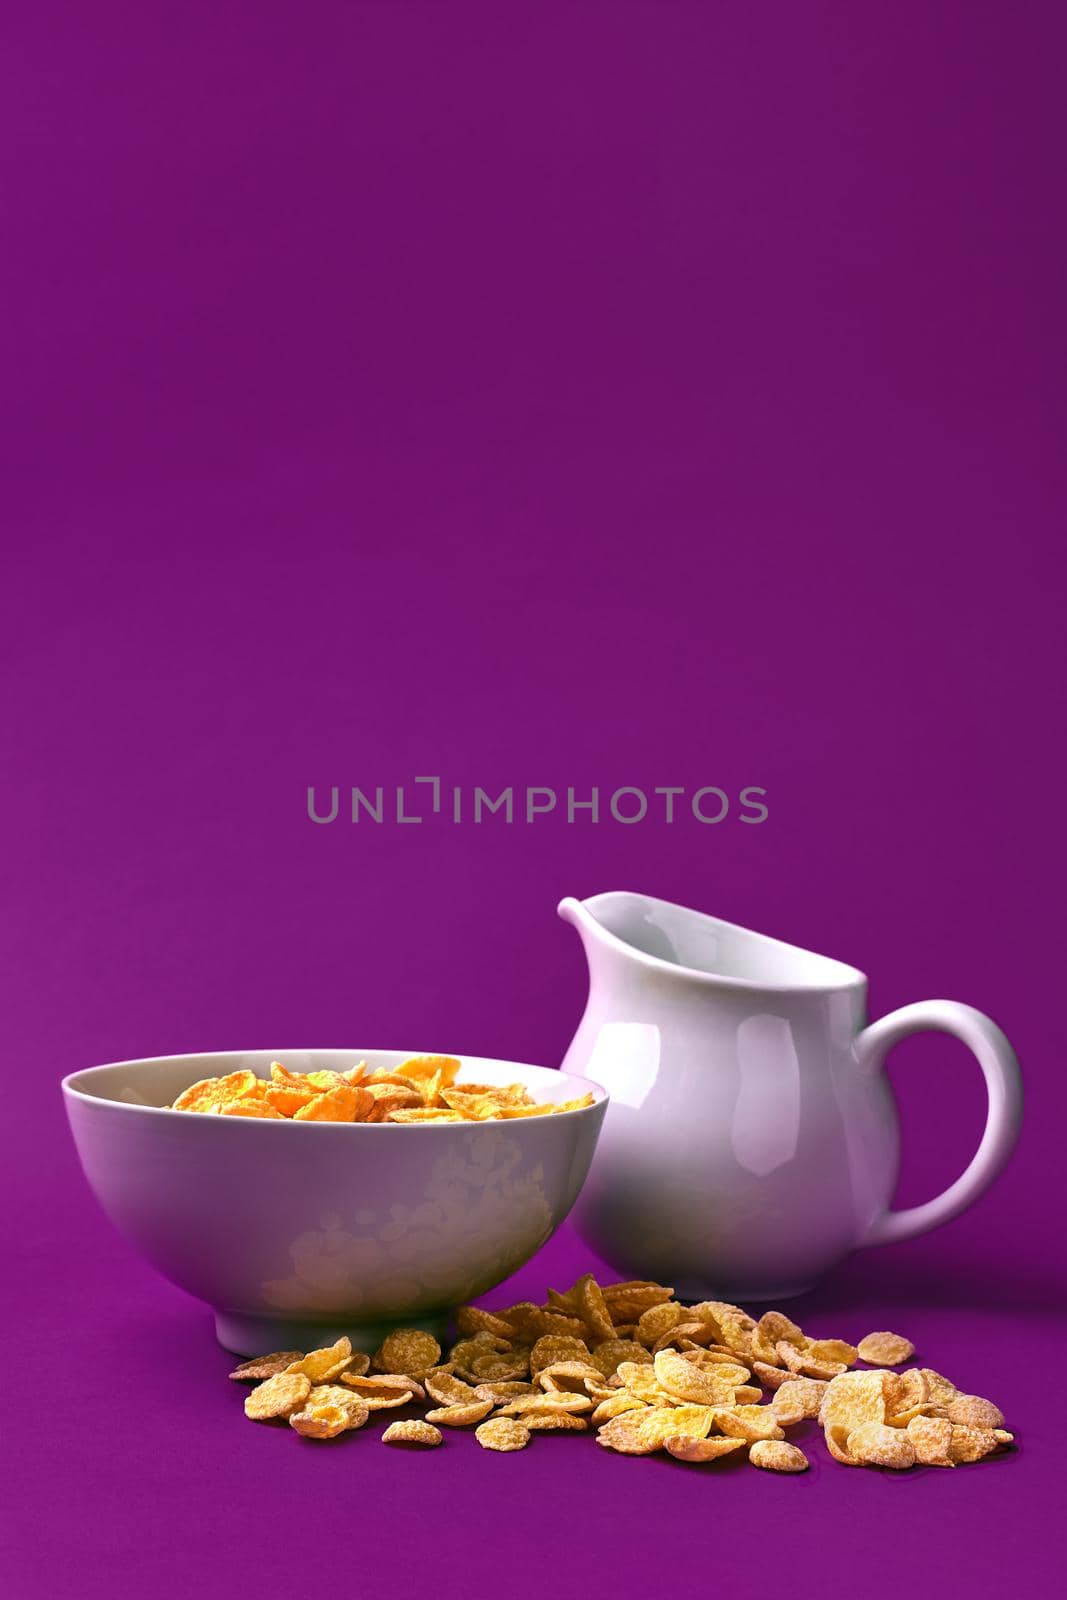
(281, 1394)
(932, 1439)
(346, 1104)
(328, 1412)
(260, 1367)
(252, 1107)
(885, 1349)
(877, 1445)
(775, 1455)
(211, 1092)
(322, 1365)
(414, 1432)
(971, 1410)
(461, 1416)
(687, 1382)
(640, 1433)
(972, 1444)
(852, 1398)
(749, 1422)
(686, 1447)
(554, 1421)
(797, 1400)
(408, 1350)
(502, 1433)
(448, 1390)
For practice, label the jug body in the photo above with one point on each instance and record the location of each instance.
(751, 1138)
(745, 1150)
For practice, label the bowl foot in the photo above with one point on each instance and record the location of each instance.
(248, 1335)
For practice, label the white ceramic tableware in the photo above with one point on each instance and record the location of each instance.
(752, 1137)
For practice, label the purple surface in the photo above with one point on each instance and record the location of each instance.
(566, 395)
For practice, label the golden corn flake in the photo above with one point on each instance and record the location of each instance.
(407, 1350)
(281, 1394)
(265, 1366)
(775, 1455)
(853, 1398)
(461, 1416)
(448, 1390)
(885, 1349)
(562, 1400)
(500, 1392)
(657, 1321)
(906, 1395)
(327, 1412)
(502, 1434)
(686, 1447)
(749, 1422)
(681, 1378)
(623, 1360)
(322, 1365)
(621, 1400)
(932, 1439)
(379, 1390)
(797, 1400)
(608, 1354)
(640, 1433)
(554, 1421)
(972, 1411)
(567, 1375)
(420, 1090)
(972, 1444)
(939, 1389)
(877, 1445)
(212, 1092)
(413, 1432)
(553, 1348)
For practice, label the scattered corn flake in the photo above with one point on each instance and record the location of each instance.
(278, 1396)
(749, 1422)
(448, 1390)
(885, 1349)
(686, 1447)
(322, 1365)
(972, 1444)
(552, 1348)
(640, 1433)
(407, 1350)
(932, 1438)
(499, 1392)
(797, 1400)
(939, 1390)
(265, 1366)
(971, 1410)
(658, 1320)
(875, 1444)
(327, 1412)
(502, 1433)
(461, 1416)
(681, 1378)
(775, 1455)
(906, 1395)
(853, 1398)
(413, 1432)
(472, 1319)
(554, 1421)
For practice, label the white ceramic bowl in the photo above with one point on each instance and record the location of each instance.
(298, 1231)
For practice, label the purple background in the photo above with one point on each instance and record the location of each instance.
(598, 394)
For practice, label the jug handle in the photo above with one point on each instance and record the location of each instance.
(1000, 1069)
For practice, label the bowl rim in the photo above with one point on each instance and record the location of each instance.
(72, 1090)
